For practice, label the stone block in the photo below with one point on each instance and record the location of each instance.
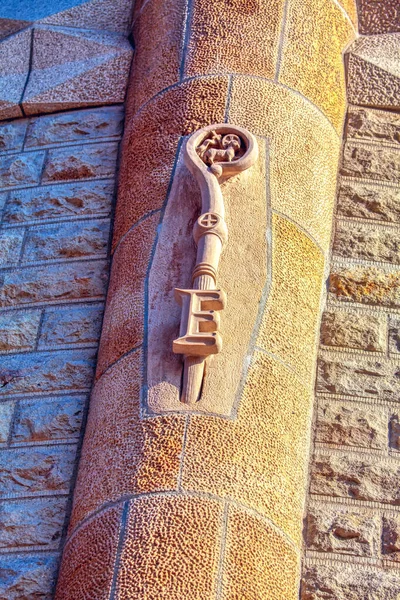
(46, 372)
(87, 162)
(355, 376)
(10, 247)
(6, 415)
(71, 325)
(394, 334)
(363, 242)
(87, 199)
(365, 285)
(21, 169)
(377, 17)
(14, 69)
(111, 15)
(375, 125)
(361, 477)
(371, 162)
(28, 576)
(46, 421)
(368, 201)
(343, 530)
(67, 241)
(391, 537)
(75, 127)
(12, 135)
(33, 522)
(349, 582)
(349, 424)
(36, 471)
(394, 431)
(353, 330)
(74, 281)
(18, 330)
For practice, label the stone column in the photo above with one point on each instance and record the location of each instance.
(180, 504)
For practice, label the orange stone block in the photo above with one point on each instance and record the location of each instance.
(260, 459)
(89, 558)
(171, 549)
(259, 561)
(121, 453)
(151, 141)
(123, 323)
(240, 36)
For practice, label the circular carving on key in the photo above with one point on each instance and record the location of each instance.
(208, 220)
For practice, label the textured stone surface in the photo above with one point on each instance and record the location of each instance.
(71, 325)
(357, 376)
(343, 530)
(10, 247)
(394, 335)
(372, 162)
(375, 125)
(376, 16)
(60, 202)
(67, 241)
(92, 161)
(43, 284)
(46, 421)
(27, 575)
(34, 522)
(21, 169)
(353, 330)
(75, 127)
(12, 135)
(18, 330)
(369, 201)
(363, 242)
(6, 415)
(351, 425)
(330, 582)
(36, 471)
(46, 371)
(391, 537)
(356, 476)
(366, 285)
(394, 431)
(14, 69)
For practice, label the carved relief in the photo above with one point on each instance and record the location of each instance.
(212, 154)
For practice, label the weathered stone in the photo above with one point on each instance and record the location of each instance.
(343, 531)
(378, 17)
(44, 421)
(12, 135)
(391, 537)
(347, 582)
(394, 431)
(355, 476)
(369, 201)
(394, 335)
(71, 325)
(75, 127)
(18, 330)
(36, 470)
(371, 162)
(6, 415)
(28, 576)
(358, 241)
(33, 522)
(10, 246)
(46, 371)
(351, 425)
(356, 376)
(369, 124)
(366, 285)
(83, 162)
(54, 282)
(88, 199)
(67, 240)
(21, 169)
(353, 330)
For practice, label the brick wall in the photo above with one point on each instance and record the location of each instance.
(353, 521)
(57, 179)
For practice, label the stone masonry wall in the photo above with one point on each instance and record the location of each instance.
(57, 179)
(353, 521)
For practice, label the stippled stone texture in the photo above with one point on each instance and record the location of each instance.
(57, 176)
(352, 534)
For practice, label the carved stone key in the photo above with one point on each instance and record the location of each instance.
(213, 155)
